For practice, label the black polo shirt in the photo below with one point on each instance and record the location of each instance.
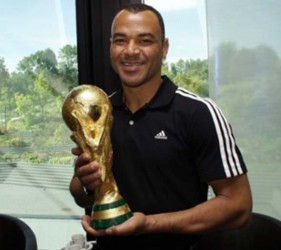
(163, 157)
(165, 153)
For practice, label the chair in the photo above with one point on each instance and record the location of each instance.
(16, 234)
(262, 233)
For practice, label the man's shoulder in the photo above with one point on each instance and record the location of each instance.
(190, 97)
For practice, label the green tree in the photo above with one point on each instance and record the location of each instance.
(67, 65)
(5, 108)
(43, 60)
(189, 74)
(32, 106)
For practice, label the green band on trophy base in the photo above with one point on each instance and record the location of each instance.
(101, 224)
(110, 214)
(102, 207)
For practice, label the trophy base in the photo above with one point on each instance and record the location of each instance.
(110, 214)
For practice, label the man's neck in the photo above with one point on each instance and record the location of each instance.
(136, 98)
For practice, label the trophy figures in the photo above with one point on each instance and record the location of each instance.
(87, 112)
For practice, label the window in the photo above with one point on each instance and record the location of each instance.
(244, 76)
(38, 66)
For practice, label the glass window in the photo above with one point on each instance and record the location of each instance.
(244, 39)
(38, 66)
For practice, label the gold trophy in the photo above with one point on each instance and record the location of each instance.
(87, 112)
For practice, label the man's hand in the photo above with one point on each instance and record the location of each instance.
(133, 226)
(86, 171)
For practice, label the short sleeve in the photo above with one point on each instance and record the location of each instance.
(215, 150)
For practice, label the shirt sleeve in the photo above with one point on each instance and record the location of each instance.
(216, 153)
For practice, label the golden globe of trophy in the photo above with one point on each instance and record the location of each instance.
(87, 112)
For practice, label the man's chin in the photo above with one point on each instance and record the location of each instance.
(132, 83)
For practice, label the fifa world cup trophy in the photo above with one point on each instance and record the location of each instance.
(87, 112)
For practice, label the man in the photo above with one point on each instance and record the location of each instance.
(169, 145)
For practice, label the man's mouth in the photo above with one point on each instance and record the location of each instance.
(132, 66)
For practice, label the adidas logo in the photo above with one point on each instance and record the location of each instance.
(161, 135)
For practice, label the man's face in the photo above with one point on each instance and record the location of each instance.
(137, 47)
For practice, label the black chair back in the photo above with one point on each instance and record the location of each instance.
(15, 234)
(262, 233)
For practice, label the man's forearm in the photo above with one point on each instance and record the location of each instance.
(231, 208)
(212, 215)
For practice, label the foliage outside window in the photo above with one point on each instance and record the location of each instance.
(32, 129)
(30, 107)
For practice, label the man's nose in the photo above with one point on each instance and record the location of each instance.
(132, 48)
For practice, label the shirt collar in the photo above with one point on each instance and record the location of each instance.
(163, 96)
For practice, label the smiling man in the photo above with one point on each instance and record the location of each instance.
(169, 146)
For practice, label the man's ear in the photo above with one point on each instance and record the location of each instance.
(165, 47)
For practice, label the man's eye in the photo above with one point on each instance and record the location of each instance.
(119, 41)
(146, 42)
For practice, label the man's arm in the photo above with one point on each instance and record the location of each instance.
(230, 208)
